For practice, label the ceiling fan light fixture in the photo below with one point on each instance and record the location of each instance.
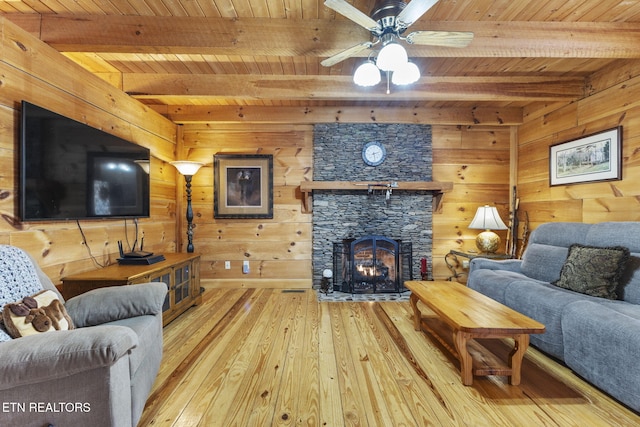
(392, 57)
(367, 74)
(406, 75)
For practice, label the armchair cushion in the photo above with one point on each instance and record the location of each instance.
(42, 312)
(44, 357)
(115, 303)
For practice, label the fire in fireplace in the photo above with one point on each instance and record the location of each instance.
(371, 264)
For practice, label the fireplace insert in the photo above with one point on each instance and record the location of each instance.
(371, 264)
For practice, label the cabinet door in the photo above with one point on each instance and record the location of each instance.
(182, 283)
(165, 277)
(195, 279)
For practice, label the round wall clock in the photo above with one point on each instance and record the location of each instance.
(373, 153)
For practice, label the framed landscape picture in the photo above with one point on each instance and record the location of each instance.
(243, 186)
(596, 157)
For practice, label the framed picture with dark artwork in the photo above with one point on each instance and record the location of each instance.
(595, 157)
(243, 186)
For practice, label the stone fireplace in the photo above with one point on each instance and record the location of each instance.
(371, 264)
(346, 216)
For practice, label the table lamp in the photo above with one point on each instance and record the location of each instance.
(487, 218)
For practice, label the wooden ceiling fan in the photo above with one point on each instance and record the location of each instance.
(388, 20)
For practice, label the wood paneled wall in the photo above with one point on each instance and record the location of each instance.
(617, 104)
(476, 159)
(33, 71)
(278, 249)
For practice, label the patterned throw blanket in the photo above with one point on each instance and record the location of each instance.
(18, 279)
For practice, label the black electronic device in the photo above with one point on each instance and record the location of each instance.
(152, 259)
(134, 253)
(69, 170)
(137, 254)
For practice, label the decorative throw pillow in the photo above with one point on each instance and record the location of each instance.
(593, 271)
(42, 312)
(18, 278)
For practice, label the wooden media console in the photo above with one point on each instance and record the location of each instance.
(180, 271)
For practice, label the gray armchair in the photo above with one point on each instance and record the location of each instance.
(98, 374)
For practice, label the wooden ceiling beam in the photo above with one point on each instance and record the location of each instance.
(321, 38)
(253, 87)
(466, 116)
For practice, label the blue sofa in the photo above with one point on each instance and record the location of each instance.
(598, 338)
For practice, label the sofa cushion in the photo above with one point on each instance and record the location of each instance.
(548, 247)
(493, 283)
(543, 262)
(545, 303)
(561, 233)
(602, 346)
(593, 270)
(101, 305)
(618, 233)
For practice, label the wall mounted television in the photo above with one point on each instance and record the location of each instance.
(69, 170)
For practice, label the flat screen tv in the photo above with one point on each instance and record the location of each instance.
(69, 170)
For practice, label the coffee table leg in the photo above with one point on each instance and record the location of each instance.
(417, 316)
(520, 345)
(466, 361)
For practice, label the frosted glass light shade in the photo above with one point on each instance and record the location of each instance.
(406, 75)
(186, 167)
(367, 74)
(392, 57)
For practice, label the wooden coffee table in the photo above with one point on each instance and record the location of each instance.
(461, 316)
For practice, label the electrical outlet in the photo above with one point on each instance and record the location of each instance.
(227, 265)
(245, 267)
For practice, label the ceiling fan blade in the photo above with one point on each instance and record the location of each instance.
(413, 11)
(347, 53)
(348, 11)
(440, 38)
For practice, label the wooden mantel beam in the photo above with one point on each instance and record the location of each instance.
(437, 188)
(321, 38)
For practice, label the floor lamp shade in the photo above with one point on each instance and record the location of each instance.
(487, 218)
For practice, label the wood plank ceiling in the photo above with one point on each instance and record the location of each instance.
(177, 54)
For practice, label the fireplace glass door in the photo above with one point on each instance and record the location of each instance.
(371, 264)
(375, 260)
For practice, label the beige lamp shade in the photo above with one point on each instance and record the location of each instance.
(487, 218)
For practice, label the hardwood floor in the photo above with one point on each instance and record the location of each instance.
(263, 357)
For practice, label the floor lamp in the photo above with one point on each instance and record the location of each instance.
(188, 169)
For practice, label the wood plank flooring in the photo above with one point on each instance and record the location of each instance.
(268, 357)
